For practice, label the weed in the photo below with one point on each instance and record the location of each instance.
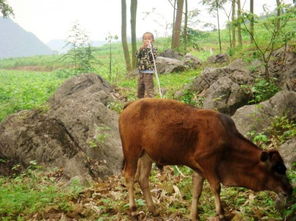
(100, 137)
(30, 192)
(188, 97)
(116, 106)
(262, 90)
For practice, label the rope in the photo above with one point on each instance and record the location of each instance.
(155, 69)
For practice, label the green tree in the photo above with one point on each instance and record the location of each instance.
(214, 6)
(177, 25)
(5, 9)
(252, 20)
(233, 26)
(124, 37)
(81, 53)
(276, 37)
(109, 38)
(134, 5)
(239, 29)
(185, 34)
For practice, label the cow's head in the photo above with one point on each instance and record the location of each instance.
(276, 179)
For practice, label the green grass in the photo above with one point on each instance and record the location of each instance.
(21, 90)
(34, 191)
(170, 83)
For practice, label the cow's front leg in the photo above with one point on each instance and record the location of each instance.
(216, 189)
(197, 186)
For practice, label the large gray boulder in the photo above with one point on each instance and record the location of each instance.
(170, 53)
(282, 67)
(219, 58)
(78, 133)
(222, 88)
(191, 62)
(288, 152)
(168, 65)
(225, 95)
(257, 117)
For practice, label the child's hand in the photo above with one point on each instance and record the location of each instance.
(146, 44)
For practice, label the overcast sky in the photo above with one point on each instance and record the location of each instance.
(52, 19)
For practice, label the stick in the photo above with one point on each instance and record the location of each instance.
(156, 74)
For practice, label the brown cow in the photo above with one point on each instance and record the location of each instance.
(171, 133)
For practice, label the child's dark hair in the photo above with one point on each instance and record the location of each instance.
(148, 33)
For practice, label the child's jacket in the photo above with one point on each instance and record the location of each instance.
(145, 59)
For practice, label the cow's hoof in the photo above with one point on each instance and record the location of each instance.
(133, 211)
(154, 211)
(217, 218)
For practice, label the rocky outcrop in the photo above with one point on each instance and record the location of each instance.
(78, 133)
(219, 58)
(222, 88)
(288, 152)
(282, 67)
(171, 61)
(191, 62)
(257, 117)
(169, 65)
(170, 53)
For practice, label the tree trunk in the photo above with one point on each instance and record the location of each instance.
(124, 37)
(174, 16)
(218, 23)
(233, 25)
(278, 13)
(133, 31)
(239, 29)
(177, 26)
(185, 26)
(252, 21)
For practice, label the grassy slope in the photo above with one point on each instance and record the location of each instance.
(43, 197)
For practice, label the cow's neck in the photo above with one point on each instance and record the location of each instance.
(242, 167)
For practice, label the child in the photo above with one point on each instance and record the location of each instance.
(146, 66)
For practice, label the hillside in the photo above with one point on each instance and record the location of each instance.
(17, 42)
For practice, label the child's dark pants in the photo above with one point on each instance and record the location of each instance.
(145, 83)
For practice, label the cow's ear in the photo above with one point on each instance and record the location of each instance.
(264, 156)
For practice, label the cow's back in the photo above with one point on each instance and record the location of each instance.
(169, 131)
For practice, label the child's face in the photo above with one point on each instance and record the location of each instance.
(147, 39)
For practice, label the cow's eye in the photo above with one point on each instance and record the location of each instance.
(280, 168)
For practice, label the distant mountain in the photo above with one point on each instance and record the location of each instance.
(58, 45)
(17, 42)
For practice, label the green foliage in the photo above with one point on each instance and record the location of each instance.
(277, 32)
(280, 130)
(290, 210)
(193, 38)
(5, 9)
(33, 191)
(116, 106)
(81, 54)
(21, 90)
(101, 134)
(262, 90)
(188, 97)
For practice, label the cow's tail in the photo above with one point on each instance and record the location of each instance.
(123, 164)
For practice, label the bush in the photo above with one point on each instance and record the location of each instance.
(262, 90)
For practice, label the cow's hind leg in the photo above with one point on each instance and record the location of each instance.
(130, 169)
(144, 168)
(197, 186)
